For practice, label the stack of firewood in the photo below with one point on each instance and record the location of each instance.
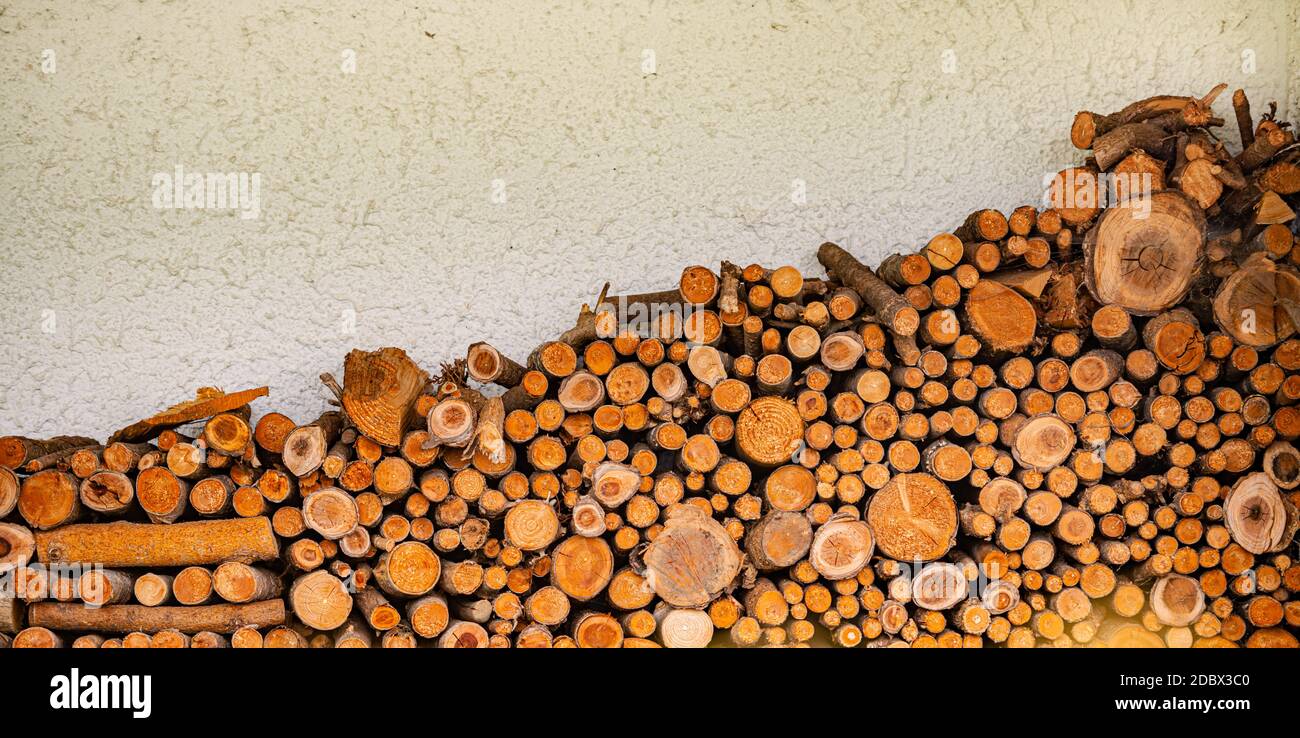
(1066, 425)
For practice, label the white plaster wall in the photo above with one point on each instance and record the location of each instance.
(377, 186)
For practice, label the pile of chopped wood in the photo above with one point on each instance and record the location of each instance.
(1067, 425)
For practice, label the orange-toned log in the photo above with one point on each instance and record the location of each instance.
(178, 544)
(128, 618)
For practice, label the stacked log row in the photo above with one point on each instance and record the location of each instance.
(1069, 424)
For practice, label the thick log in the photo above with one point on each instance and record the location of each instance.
(1145, 259)
(692, 561)
(379, 391)
(778, 540)
(913, 517)
(1259, 304)
(1258, 517)
(1002, 319)
(48, 499)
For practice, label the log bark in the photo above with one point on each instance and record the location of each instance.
(137, 618)
(889, 306)
(10, 487)
(16, 451)
(143, 545)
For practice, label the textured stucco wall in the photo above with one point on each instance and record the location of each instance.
(381, 223)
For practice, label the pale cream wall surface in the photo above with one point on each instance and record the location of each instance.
(437, 173)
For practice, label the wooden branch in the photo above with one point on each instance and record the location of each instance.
(208, 401)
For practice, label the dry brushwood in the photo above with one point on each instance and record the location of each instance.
(1057, 426)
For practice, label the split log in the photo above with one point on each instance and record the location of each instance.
(1259, 304)
(379, 391)
(1001, 318)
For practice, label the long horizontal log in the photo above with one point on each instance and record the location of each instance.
(128, 618)
(141, 544)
